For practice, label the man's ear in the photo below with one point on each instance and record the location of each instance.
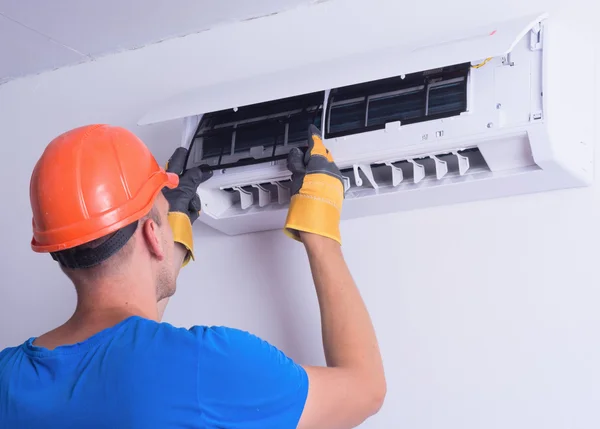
(152, 238)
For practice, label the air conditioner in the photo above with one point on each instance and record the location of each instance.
(498, 111)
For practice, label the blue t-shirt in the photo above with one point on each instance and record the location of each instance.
(143, 374)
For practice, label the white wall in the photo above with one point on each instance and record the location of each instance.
(486, 312)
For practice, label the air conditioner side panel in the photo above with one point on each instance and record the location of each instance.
(569, 95)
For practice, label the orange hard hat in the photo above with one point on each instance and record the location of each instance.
(90, 182)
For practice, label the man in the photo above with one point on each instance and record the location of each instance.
(120, 227)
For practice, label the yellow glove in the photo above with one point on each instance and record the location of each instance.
(317, 191)
(184, 202)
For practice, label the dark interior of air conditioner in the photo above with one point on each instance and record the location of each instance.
(411, 98)
(416, 97)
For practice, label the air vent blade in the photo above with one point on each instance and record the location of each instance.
(418, 171)
(366, 169)
(264, 195)
(347, 183)
(283, 193)
(441, 167)
(397, 174)
(463, 163)
(246, 198)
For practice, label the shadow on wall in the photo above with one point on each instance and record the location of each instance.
(293, 316)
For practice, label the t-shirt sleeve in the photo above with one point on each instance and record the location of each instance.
(245, 382)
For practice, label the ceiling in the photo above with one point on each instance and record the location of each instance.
(41, 35)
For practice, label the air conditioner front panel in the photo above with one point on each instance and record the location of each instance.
(482, 186)
(238, 193)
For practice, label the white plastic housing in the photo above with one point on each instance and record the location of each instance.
(528, 128)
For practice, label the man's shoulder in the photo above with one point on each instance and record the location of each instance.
(208, 336)
(203, 348)
(201, 337)
(141, 330)
(213, 345)
(8, 352)
(8, 356)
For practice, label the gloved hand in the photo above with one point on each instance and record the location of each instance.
(184, 202)
(317, 191)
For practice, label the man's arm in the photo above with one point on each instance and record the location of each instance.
(245, 382)
(352, 387)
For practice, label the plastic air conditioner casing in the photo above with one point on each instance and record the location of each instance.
(524, 126)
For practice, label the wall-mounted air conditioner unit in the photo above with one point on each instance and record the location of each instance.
(501, 111)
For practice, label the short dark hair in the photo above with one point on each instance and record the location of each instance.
(153, 214)
(101, 250)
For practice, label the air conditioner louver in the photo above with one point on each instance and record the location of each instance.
(414, 171)
(400, 174)
(260, 194)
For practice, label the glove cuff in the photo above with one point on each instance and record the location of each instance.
(182, 233)
(312, 214)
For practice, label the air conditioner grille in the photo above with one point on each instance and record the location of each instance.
(409, 99)
(264, 126)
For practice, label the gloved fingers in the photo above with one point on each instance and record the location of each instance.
(195, 176)
(176, 163)
(295, 161)
(195, 206)
(206, 173)
(315, 144)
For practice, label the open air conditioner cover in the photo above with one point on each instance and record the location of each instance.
(488, 41)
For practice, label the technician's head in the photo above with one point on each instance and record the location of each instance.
(98, 208)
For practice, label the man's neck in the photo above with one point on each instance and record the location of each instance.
(126, 295)
(100, 307)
